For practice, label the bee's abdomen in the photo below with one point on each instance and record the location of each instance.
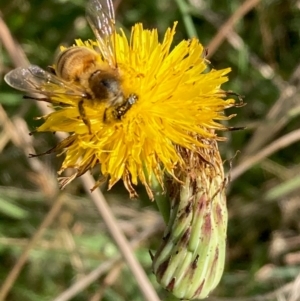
(73, 62)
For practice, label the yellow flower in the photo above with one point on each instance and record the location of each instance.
(179, 99)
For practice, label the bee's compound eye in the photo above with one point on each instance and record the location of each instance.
(107, 83)
(111, 85)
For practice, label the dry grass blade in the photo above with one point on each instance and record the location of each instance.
(17, 132)
(278, 115)
(226, 28)
(107, 281)
(278, 144)
(87, 280)
(16, 53)
(294, 294)
(118, 236)
(14, 273)
(16, 135)
(238, 43)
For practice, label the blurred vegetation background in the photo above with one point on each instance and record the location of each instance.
(259, 40)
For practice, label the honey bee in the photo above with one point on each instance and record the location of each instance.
(78, 72)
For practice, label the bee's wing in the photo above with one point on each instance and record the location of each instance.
(101, 17)
(36, 80)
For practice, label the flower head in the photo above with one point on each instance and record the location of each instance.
(178, 99)
(190, 260)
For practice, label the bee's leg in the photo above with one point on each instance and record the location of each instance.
(83, 116)
(105, 115)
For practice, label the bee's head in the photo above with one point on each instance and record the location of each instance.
(106, 86)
